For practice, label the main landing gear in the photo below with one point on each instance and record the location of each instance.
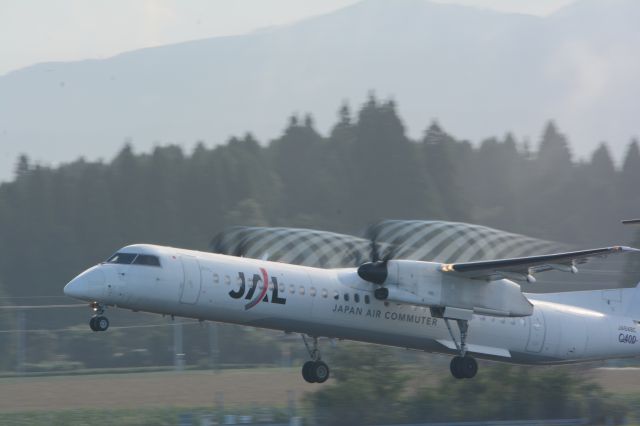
(463, 366)
(98, 321)
(314, 371)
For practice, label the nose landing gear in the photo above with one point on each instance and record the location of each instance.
(316, 370)
(98, 321)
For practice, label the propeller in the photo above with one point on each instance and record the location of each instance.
(376, 270)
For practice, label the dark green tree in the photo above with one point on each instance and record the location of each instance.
(368, 388)
(445, 162)
(628, 192)
(553, 153)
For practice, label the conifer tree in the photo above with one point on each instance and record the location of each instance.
(445, 163)
(22, 166)
(602, 166)
(629, 186)
(553, 153)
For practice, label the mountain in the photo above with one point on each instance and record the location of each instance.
(479, 72)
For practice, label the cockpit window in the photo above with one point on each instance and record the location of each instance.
(122, 258)
(147, 259)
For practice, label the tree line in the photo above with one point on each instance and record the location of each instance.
(371, 387)
(55, 221)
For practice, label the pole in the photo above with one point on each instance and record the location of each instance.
(178, 355)
(21, 343)
(213, 346)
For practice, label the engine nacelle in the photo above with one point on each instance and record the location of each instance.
(424, 284)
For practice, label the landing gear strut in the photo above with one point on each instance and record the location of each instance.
(463, 366)
(314, 371)
(98, 321)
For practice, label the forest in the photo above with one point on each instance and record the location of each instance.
(56, 221)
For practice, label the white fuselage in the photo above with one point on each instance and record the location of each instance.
(336, 303)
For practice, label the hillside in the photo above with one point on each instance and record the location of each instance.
(480, 73)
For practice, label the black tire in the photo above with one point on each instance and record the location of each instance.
(455, 367)
(307, 372)
(92, 324)
(101, 323)
(468, 367)
(320, 371)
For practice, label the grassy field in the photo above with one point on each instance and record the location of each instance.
(618, 380)
(265, 387)
(249, 387)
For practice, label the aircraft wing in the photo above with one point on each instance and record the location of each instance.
(523, 268)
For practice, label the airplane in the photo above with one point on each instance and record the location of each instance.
(465, 309)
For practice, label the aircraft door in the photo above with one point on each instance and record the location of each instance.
(537, 331)
(192, 280)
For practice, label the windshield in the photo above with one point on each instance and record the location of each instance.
(146, 259)
(135, 259)
(122, 258)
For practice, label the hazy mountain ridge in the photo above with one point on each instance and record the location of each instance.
(480, 73)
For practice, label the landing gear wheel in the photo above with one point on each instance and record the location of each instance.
(307, 372)
(455, 367)
(100, 323)
(320, 371)
(314, 371)
(468, 366)
(463, 367)
(97, 321)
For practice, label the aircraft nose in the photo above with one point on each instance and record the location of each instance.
(85, 285)
(74, 287)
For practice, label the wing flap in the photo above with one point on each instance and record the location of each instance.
(478, 349)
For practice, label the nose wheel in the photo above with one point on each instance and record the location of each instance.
(98, 321)
(315, 370)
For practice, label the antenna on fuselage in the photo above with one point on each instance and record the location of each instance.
(631, 222)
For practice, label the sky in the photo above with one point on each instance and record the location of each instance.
(34, 31)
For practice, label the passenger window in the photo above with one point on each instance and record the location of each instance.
(122, 258)
(336, 295)
(356, 298)
(312, 292)
(325, 293)
(301, 291)
(227, 279)
(216, 278)
(281, 288)
(366, 299)
(292, 289)
(346, 297)
(147, 260)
